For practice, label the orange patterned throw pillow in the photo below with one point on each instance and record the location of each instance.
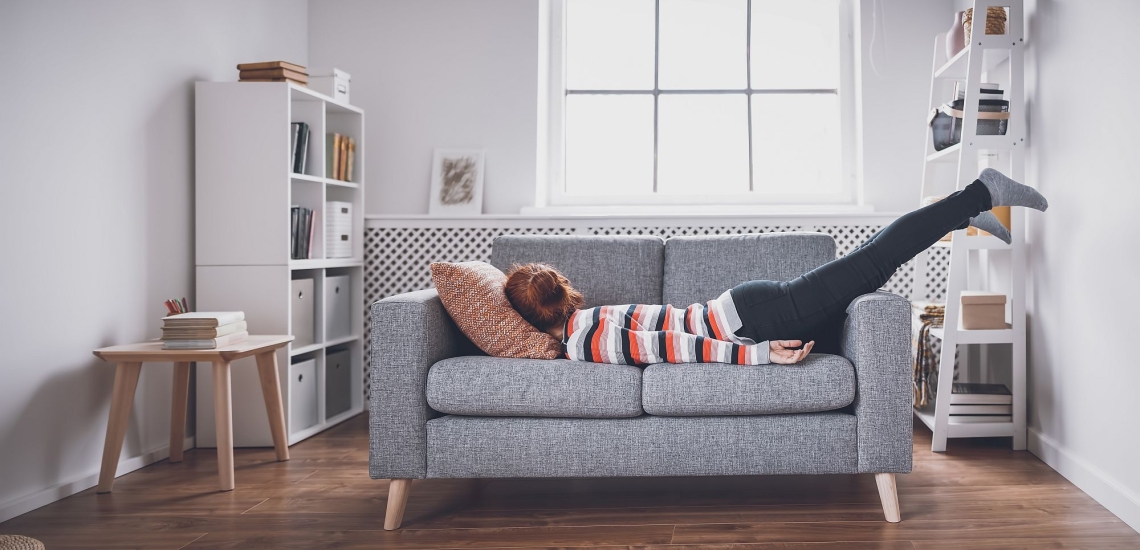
(472, 293)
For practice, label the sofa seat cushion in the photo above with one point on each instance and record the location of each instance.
(819, 383)
(495, 386)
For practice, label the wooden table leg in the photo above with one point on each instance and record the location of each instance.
(271, 391)
(178, 397)
(122, 397)
(224, 426)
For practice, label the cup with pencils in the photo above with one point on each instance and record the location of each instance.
(175, 306)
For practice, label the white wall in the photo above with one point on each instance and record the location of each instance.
(97, 186)
(464, 73)
(895, 96)
(437, 73)
(1083, 371)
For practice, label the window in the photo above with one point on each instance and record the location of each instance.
(701, 102)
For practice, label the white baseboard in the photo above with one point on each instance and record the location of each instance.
(1095, 483)
(27, 503)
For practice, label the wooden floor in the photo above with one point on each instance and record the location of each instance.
(978, 495)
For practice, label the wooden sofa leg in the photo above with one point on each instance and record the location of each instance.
(397, 500)
(888, 494)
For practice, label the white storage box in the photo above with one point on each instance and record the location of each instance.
(338, 306)
(301, 305)
(302, 395)
(338, 229)
(338, 383)
(334, 83)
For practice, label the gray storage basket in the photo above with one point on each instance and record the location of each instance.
(946, 121)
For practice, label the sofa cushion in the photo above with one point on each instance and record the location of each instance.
(606, 270)
(819, 383)
(473, 294)
(698, 269)
(494, 386)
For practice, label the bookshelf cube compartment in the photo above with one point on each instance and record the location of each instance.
(338, 381)
(303, 397)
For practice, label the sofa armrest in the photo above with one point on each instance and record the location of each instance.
(876, 339)
(410, 333)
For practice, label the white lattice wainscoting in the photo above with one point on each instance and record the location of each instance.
(399, 249)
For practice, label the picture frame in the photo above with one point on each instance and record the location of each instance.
(456, 182)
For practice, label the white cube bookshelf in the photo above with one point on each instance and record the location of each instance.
(244, 188)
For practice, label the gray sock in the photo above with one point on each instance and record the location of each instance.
(987, 221)
(1006, 192)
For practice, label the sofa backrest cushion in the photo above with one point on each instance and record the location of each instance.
(607, 270)
(698, 269)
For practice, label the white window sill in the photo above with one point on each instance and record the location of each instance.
(698, 210)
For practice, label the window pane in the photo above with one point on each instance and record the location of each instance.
(703, 44)
(609, 44)
(702, 144)
(795, 44)
(609, 144)
(795, 143)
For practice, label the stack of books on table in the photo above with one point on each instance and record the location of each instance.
(203, 330)
(976, 403)
(273, 71)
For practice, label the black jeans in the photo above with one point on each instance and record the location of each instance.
(813, 306)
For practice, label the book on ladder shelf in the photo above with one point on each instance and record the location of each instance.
(977, 102)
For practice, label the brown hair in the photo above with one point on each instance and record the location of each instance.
(541, 294)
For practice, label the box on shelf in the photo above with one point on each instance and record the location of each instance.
(338, 306)
(334, 83)
(303, 395)
(983, 310)
(338, 229)
(338, 382)
(302, 307)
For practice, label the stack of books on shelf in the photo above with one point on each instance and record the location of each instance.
(273, 71)
(203, 330)
(976, 403)
(340, 151)
(301, 247)
(299, 146)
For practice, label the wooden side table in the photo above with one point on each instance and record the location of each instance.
(129, 360)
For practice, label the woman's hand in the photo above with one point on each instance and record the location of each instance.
(779, 352)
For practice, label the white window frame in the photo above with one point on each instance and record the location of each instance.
(552, 152)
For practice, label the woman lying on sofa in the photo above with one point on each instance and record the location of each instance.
(757, 322)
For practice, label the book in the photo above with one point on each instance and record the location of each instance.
(203, 319)
(294, 133)
(309, 237)
(332, 154)
(351, 158)
(981, 409)
(208, 343)
(342, 172)
(980, 419)
(980, 394)
(294, 214)
(203, 332)
(273, 80)
(301, 150)
(274, 73)
(262, 65)
(304, 233)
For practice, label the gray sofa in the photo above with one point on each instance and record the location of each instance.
(442, 409)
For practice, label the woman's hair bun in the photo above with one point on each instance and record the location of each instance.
(541, 294)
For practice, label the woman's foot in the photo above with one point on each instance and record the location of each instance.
(986, 221)
(1006, 192)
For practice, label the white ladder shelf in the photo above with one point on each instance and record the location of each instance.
(983, 54)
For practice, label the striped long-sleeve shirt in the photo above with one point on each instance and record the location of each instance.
(643, 334)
